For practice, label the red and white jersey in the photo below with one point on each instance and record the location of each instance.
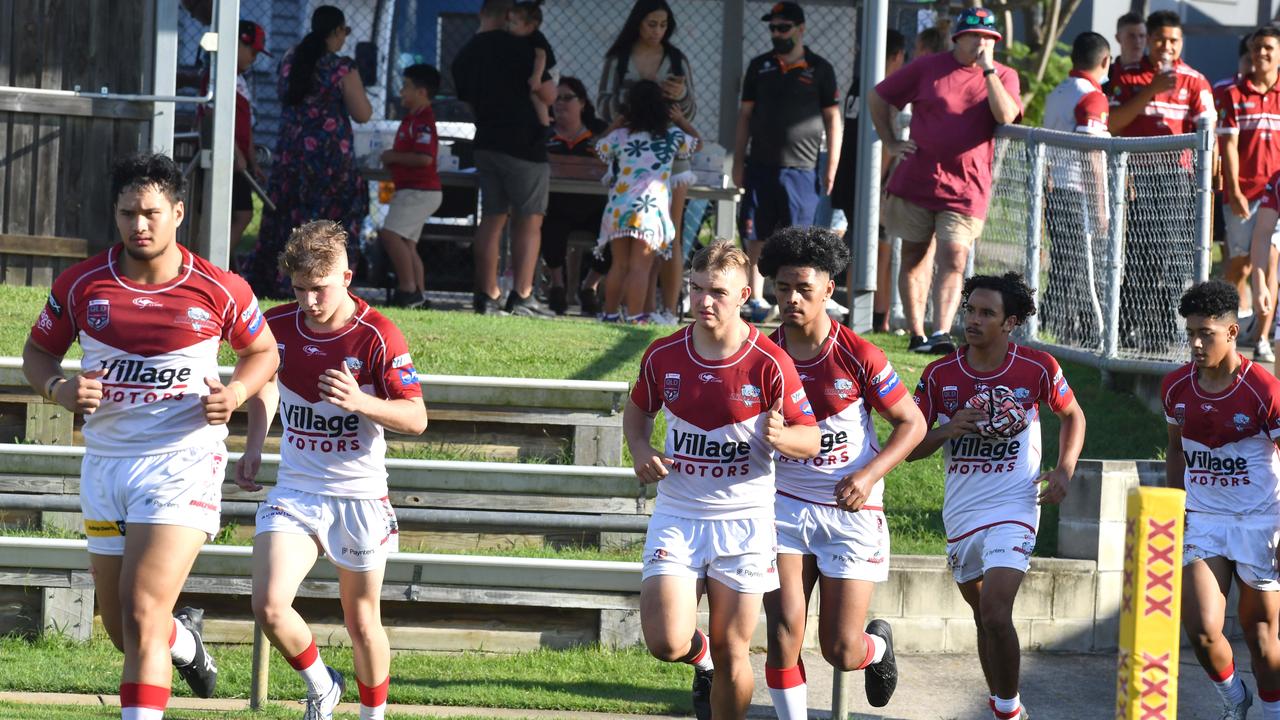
(325, 450)
(1228, 440)
(1171, 113)
(1271, 194)
(1077, 105)
(155, 345)
(844, 382)
(716, 413)
(1253, 117)
(992, 480)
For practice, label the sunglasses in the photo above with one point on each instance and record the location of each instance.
(781, 27)
(566, 98)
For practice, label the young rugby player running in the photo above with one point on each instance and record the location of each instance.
(1223, 414)
(986, 397)
(150, 316)
(345, 376)
(829, 509)
(732, 399)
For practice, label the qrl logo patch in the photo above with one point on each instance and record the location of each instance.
(98, 314)
(671, 387)
(950, 397)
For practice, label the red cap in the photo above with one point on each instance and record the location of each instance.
(252, 34)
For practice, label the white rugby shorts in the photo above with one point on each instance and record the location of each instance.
(1249, 542)
(847, 545)
(1007, 545)
(740, 554)
(355, 534)
(183, 488)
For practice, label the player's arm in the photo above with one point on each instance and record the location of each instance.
(43, 370)
(1175, 463)
(256, 364)
(965, 421)
(261, 409)
(1236, 201)
(908, 430)
(1124, 114)
(1070, 443)
(1260, 250)
(796, 440)
(406, 415)
(637, 426)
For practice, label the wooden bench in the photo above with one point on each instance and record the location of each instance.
(529, 417)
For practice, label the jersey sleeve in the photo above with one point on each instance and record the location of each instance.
(828, 91)
(647, 392)
(1228, 123)
(1056, 390)
(1202, 105)
(55, 328)
(883, 386)
(796, 409)
(396, 372)
(1271, 410)
(1091, 114)
(901, 88)
(424, 138)
(243, 322)
(925, 399)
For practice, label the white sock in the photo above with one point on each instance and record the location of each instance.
(789, 691)
(879, 645)
(1231, 689)
(183, 649)
(141, 713)
(1271, 710)
(313, 672)
(373, 713)
(1006, 705)
(703, 659)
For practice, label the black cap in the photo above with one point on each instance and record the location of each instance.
(785, 11)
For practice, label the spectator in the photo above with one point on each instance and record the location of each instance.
(412, 163)
(789, 99)
(643, 51)
(929, 41)
(574, 132)
(1158, 95)
(1131, 33)
(525, 20)
(253, 40)
(491, 74)
(315, 175)
(1265, 240)
(943, 185)
(1244, 68)
(1077, 203)
(1250, 157)
(635, 224)
(844, 192)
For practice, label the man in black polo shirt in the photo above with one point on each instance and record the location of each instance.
(789, 99)
(491, 73)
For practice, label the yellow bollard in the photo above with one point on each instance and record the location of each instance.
(1151, 606)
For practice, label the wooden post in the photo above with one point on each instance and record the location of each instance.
(261, 667)
(1151, 606)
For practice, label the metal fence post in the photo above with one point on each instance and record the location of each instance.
(1115, 258)
(1204, 198)
(1035, 227)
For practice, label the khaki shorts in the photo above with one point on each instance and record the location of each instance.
(409, 212)
(915, 224)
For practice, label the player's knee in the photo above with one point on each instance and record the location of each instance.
(666, 648)
(268, 611)
(364, 628)
(995, 619)
(845, 654)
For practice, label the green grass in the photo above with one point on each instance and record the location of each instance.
(22, 711)
(580, 679)
(456, 343)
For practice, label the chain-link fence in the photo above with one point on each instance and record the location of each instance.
(1110, 231)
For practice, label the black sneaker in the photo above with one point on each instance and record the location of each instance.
(408, 298)
(201, 673)
(702, 693)
(920, 344)
(526, 306)
(588, 301)
(425, 304)
(881, 678)
(940, 344)
(485, 305)
(557, 300)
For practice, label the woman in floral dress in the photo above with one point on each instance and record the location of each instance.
(315, 175)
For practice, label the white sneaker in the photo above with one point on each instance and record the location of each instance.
(662, 317)
(1262, 352)
(322, 708)
(1238, 712)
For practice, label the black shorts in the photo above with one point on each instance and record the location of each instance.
(241, 194)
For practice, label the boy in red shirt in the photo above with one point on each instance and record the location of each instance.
(412, 163)
(253, 41)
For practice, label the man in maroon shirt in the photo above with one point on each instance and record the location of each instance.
(943, 185)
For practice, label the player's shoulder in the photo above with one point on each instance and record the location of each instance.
(669, 344)
(1191, 74)
(99, 263)
(285, 312)
(854, 346)
(1263, 382)
(765, 349)
(375, 322)
(203, 271)
(1035, 358)
(1176, 379)
(949, 363)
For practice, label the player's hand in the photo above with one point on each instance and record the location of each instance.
(775, 424)
(219, 403)
(1264, 296)
(854, 489)
(1056, 489)
(247, 471)
(1239, 205)
(1164, 81)
(340, 388)
(653, 468)
(964, 422)
(900, 148)
(82, 393)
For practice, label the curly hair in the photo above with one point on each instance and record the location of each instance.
(1214, 299)
(314, 249)
(148, 170)
(1018, 298)
(804, 246)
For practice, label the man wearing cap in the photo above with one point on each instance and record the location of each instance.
(789, 100)
(943, 185)
(253, 41)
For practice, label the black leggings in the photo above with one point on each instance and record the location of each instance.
(568, 213)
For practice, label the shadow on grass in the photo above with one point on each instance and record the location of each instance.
(463, 691)
(630, 345)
